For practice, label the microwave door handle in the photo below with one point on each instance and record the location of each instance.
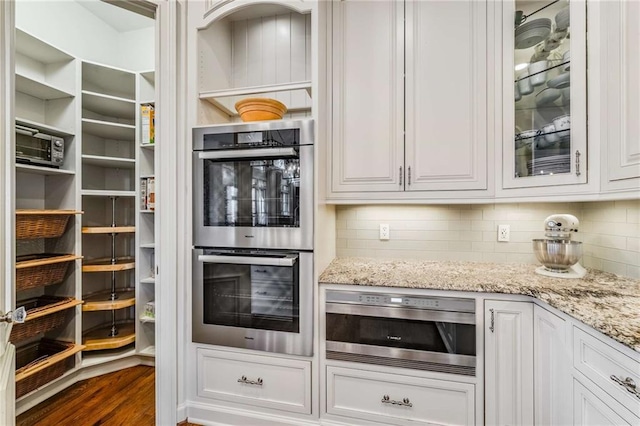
(248, 153)
(248, 260)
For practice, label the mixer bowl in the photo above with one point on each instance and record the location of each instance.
(557, 255)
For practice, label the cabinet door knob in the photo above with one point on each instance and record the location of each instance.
(18, 316)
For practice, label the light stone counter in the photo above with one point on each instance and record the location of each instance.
(606, 302)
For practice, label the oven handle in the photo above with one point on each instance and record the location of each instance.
(249, 260)
(248, 153)
(401, 313)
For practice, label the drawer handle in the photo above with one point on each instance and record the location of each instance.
(246, 381)
(405, 401)
(492, 326)
(627, 383)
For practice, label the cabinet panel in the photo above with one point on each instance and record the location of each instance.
(394, 399)
(270, 382)
(367, 96)
(621, 90)
(590, 410)
(508, 363)
(552, 368)
(446, 96)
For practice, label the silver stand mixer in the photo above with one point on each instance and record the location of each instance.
(559, 254)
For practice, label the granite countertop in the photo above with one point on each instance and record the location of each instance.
(607, 302)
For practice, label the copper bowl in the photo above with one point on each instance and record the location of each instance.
(259, 109)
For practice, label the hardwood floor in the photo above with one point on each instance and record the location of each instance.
(126, 397)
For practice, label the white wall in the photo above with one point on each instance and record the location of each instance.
(72, 28)
(610, 232)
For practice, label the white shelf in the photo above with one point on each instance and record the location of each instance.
(44, 128)
(113, 162)
(108, 80)
(148, 246)
(107, 105)
(108, 193)
(148, 146)
(148, 351)
(284, 87)
(108, 130)
(96, 358)
(34, 48)
(148, 280)
(147, 211)
(150, 76)
(45, 171)
(147, 319)
(39, 89)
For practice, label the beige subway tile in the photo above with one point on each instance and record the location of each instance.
(366, 234)
(345, 213)
(346, 233)
(591, 262)
(602, 240)
(472, 236)
(483, 225)
(490, 235)
(633, 244)
(524, 237)
(484, 246)
(633, 272)
(512, 247)
(341, 224)
(614, 267)
(628, 204)
(459, 225)
(341, 243)
(459, 246)
(619, 256)
(528, 225)
(496, 214)
(494, 257)
(472, 214)
(633, 215)
(523, 258)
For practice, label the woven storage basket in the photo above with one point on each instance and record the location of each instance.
(41, 324)
(41, 223)
(37, 270)
(29, 356)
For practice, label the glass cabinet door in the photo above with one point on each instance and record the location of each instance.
(545, 104)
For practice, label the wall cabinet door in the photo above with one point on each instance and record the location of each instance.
(446, 95)
(508, 363)
(367, 96)
(552, 369)
(620, 89)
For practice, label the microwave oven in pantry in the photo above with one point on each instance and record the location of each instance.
(38, 149)
(253, 185)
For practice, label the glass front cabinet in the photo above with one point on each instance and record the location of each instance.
(545, 82)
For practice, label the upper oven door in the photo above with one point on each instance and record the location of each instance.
(254, 189)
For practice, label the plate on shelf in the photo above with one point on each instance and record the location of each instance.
(560, 82)
(547, 96)
(532, 33)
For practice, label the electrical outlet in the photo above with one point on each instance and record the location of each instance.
(503, 232)
(384, 231)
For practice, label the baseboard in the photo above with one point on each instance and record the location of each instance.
(215, 415)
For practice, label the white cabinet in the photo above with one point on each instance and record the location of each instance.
(254, 380)
(619, 106)
(394, 399)
(551, 368)
(508, 362)
(592, 410)
(425, 132)
(545, 98)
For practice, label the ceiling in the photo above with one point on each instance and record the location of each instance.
(116, 17)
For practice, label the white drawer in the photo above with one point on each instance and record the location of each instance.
(259, 380)
(393, 399)
(598, 361)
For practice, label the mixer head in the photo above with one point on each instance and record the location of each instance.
(560, 226)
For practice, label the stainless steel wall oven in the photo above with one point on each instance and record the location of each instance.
(254, 299)
(253, 185)
(425, 333)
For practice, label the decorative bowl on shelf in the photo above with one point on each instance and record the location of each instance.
(259, 109)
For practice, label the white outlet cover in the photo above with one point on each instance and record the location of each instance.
(384, 231)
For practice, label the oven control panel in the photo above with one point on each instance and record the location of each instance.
(401, 300)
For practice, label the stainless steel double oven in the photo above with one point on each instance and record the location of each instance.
(253, 236)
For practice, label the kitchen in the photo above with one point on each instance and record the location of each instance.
(447, 224)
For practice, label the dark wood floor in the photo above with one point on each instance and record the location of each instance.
(126, 397)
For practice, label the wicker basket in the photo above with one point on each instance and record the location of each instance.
(44, 323)
(42, 223)
(31, 357)
(37, 270)
(259, 109)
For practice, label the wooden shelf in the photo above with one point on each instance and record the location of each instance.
(98, 338)
(49, 361)
(111, 162)
(104, 265)
(102, 301)
(53, 309)
(108, 229)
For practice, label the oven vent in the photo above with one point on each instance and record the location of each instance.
(403, 363)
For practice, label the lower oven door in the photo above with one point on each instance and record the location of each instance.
(255, 300)
(402, 337)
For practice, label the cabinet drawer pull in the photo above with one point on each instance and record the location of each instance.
(405, 401)
(400, 174)
(578, 163)
(627, 383)
(246, 381)
(492, 326)
(409, 176)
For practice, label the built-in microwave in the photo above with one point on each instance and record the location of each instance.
(253, 185)
(33, 147)
(253, 299)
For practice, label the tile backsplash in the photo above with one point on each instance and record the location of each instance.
(610, 232)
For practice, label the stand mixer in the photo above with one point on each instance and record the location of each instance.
(558, 254)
